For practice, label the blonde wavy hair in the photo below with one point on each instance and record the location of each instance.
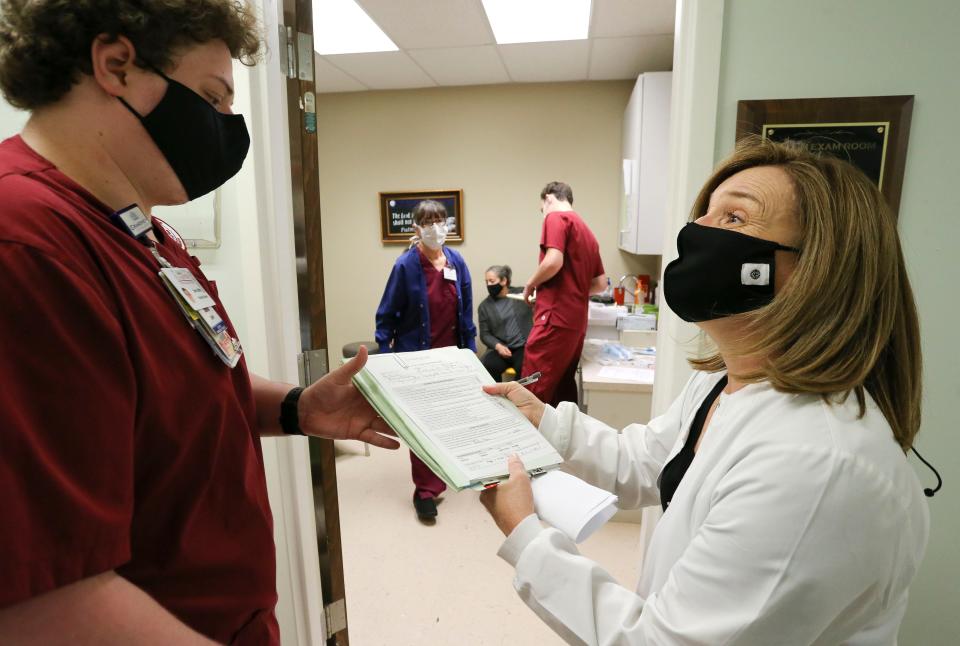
(846, 321)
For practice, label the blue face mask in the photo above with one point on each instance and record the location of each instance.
(204, 147)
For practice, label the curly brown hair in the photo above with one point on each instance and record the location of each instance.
(45, 44)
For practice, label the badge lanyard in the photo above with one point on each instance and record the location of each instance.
(192, 299)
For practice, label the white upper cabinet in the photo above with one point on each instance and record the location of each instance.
(643, 201)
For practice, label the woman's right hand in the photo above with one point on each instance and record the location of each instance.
(503, 351)
(529, 405)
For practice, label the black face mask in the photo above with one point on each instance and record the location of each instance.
(494, 290)
(719, 273)
(204, 147)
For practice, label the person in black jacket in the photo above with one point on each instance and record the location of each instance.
(504, 323)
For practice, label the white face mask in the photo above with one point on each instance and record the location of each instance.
(433, 235)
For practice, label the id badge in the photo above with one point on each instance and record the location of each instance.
(134, 221)
(450, 273)
(215, 332)
(187, 287)
(205, 320)
(212, 320)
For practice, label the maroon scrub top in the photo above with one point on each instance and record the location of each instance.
(125, 444)
(443, 304)
(564, 299)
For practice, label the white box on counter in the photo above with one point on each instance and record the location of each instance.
(637, 322)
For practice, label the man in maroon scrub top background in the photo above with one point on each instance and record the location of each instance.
(570, 271)
(135, 505)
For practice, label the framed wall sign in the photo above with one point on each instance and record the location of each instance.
(869, 131)
(197, 221)
(396, 214)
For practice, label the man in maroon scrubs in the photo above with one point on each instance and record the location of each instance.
(135, 503)
(570, 271)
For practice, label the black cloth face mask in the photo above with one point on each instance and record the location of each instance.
(719, 273)
(494, 290)
(204, 147)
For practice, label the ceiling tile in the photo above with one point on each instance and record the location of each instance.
(331, 79)
(418, 24)
(462, 65)
(612, 18)
(625, 58)
(383, 70)
(543, 62)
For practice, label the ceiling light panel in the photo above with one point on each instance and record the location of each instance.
(533, 21)
(342, 27)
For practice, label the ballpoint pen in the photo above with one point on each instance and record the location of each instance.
(529, 379)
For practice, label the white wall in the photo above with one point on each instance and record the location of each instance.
(823, 48)
(11, 120)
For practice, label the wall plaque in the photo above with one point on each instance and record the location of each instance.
(870, 132)
(396, 214)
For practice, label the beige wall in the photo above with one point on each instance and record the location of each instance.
(500, 144)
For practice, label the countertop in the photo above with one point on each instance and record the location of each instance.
(593, 381)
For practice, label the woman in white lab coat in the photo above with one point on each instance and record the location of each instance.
(791, 513)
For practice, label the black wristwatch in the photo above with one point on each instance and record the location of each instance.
(289, 418)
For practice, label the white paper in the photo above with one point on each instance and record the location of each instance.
(573, 506)
(642, 375)
(441, 392)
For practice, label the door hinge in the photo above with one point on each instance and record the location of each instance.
(312, 365)
(335, 617)
(296, 54)
(305, 56)
(288, 52)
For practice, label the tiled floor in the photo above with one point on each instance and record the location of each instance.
(411, 584)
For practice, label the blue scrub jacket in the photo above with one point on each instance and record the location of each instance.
(404, 314)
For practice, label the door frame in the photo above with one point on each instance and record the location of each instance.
(697, 49)
(300, 91)
(274, 113)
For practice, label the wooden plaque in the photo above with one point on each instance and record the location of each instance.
(396, 214)
(869, 131)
